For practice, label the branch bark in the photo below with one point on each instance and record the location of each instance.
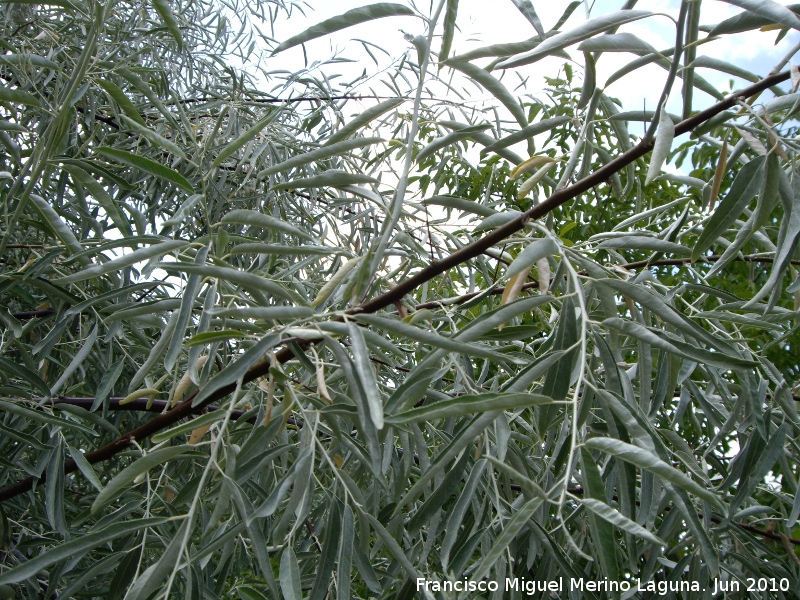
(261, 368)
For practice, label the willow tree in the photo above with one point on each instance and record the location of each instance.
(268, 335)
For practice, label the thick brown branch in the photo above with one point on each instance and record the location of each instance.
(471, 251)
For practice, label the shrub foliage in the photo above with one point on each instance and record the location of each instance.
(317, 342)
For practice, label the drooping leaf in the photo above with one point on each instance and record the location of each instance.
(259, 219)
(449, 140)
(330, 178)
(125, 260)
(170, 22)
(469, 405)
(584, 31)
(361, 120)
(326, 151)
(121, 480)
(345, 20)
(769, 9)
(661, 147)
(493, 86)
(450, 14)
(77, 545)
(746, 185)
(644, 459)
(235, 145)
(147, 165)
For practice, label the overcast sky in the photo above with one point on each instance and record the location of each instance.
(482, 22)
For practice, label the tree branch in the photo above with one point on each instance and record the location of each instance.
(185, 408)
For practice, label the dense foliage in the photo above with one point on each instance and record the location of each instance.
(270, 335)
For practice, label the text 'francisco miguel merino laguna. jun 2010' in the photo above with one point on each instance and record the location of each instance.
(575, 584)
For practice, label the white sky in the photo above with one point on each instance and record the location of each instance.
(482, 22)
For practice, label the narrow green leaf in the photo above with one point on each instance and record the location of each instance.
(366, 375)
(641, 242)
(330, 178)
(57, 224)
(644, 459)
(26, 58)
(209, 337)
(466, 436)
(746, 185)
(126, 260)
(616, 42)
(659, 306)
(153, 577)
(393, 547)
(259, 248)
(13, 369)
(157, 140)
(116, 93)
(510, 530)
(450, 14)
(527, 10)
(431, 337)
(85, 468)
(469, 405)
(258, 219)
(76, 361)
(584, 31)
(345, 20)
(589, 80)
(494, 87)
(534, 251)
(693, 353)
(365, 117)
(290, 575)
(250, 281)
(526, 133)
(54, 488)
(123, 479)
(559, 375)
(497, 219)
(768, 9)
(41, 416)
(459, 511)
(345, 555)
(319, 154)
(617, 519)
(185, 313)
(461, 204)
(661, 147)
(717, 64)
(148, 166)
(745, 22)
(602, 533)
(14, 96)
(239, 142)
(448, 140)
(170, 22)
(76, 546)
(102, 197)
(236, 370)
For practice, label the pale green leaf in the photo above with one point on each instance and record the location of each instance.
(259, 219)
(318, 154)
(147, 165)
(584, 31)
(345, 20)
(469, 405)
